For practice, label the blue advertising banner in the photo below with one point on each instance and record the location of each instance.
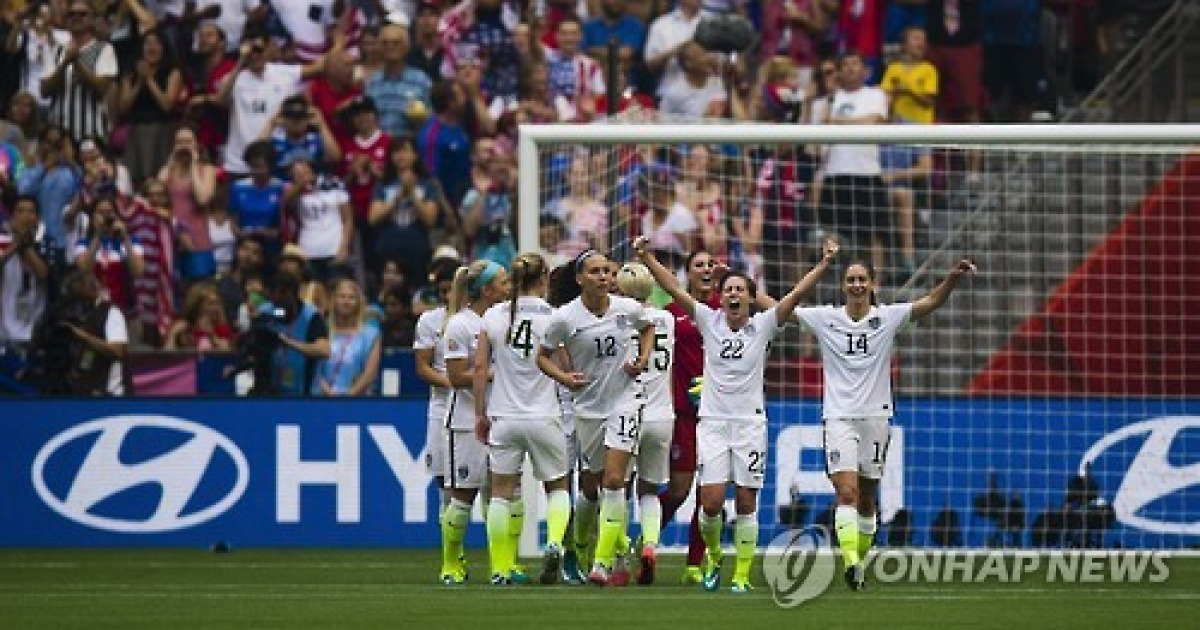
(190, 472)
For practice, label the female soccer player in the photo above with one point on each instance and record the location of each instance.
(519, 415)
(732, 433)
(597, 329)
(658, 417)
(688, 364)
(480, 285)
(431, 368)
(856, 352)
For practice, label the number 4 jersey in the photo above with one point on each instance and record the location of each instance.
(519, 388)
(857, 356)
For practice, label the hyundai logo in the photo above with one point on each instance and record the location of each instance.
(1151, 475)
(102, 474)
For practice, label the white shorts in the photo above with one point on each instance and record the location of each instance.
(466, 460)
(619, 432)
(653, 459)
(731, 450)
(512, 438)
(435, 444)
(857, 445)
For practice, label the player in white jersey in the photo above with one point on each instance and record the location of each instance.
(596, 329)
(856, 352)
(479, 285)
(558, 294)
(518, 415)
(431, 368)
(732, 433)
(658, 415)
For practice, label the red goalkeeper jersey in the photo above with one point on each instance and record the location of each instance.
(689, 357)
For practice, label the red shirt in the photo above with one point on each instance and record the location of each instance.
(361, 190)
(326, 99)
(689, 357)
(213, 123)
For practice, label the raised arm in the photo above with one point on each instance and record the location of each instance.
(783, 310)
(663, 276)
(938, 296)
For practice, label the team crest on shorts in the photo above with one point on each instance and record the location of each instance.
(874, 323)
(834, 456)
(463, 471)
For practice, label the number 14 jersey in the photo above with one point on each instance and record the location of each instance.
(857, 357)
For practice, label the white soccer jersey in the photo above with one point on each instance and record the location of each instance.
(656, 381)
(857, 358)
(734, 362)
(519, 389)
(598, 346)
(461, 342)
(429, 337)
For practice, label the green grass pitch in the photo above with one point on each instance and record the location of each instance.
(134, 588)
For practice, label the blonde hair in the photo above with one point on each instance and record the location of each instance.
(460, 292)
(635, 281)
(528, 269)
(779, 68)
(360, 310)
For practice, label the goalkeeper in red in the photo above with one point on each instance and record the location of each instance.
(856, 351)
(732, 434)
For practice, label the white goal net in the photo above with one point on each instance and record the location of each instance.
(1053, 402)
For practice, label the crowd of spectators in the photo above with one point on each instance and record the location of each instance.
(182, 157)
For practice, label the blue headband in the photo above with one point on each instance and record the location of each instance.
(487, 275)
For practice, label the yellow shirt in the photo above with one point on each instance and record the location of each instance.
(920, 77)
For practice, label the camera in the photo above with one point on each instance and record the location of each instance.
(53, 348)
(258, 346)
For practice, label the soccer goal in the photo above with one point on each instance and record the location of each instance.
(1053, 402)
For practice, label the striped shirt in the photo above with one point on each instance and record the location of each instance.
(574, 78)
(394, 94)
(78, 108)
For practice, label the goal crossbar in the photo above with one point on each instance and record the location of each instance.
(531, 136)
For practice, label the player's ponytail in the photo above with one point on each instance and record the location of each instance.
(458, 290)
(564, 286)
(528, 269)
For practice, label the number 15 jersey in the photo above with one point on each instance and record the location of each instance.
(857, 357)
